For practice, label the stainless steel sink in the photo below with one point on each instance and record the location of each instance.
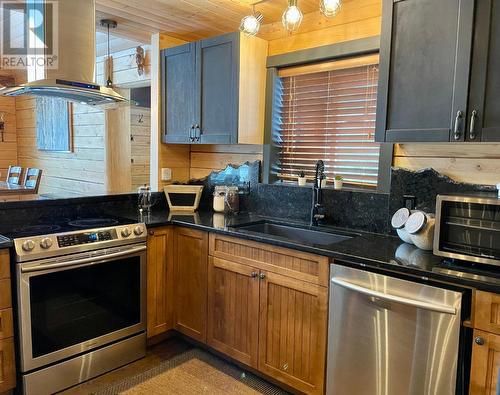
(297, 234)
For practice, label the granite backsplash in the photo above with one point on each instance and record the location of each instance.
(363, 210)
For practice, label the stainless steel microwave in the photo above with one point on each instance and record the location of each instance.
(468, 228)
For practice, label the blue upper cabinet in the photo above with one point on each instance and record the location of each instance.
(424, 70)
(214, 91)
(179, 93)
(217, 62)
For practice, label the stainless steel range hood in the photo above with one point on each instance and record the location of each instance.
(73, 78)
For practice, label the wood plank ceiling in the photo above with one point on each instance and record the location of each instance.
(189, 19)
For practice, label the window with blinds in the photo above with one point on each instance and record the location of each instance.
(327, 111)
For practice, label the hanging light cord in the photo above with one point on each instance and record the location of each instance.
(109, 82)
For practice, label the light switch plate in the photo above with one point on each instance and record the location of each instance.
(166, 174)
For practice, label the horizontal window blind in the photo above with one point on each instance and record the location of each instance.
(328, 115)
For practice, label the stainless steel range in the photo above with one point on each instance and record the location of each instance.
(81, 303)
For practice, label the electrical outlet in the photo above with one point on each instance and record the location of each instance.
(166, 174)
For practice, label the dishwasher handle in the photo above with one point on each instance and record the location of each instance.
(396, 299)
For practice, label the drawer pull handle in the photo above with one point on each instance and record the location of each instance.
(479, 341)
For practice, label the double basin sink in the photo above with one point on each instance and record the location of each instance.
(296, 233)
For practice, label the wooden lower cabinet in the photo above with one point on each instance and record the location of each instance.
(7, 357)
(293, 332)
(485, 363)
(190, 282)
(7, 365)
(233, 310)
(264, 312)
(160, 281)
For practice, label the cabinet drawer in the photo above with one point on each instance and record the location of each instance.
(4, 264)
(296, 264)
(487, 312)
(7, 365)
(5, 295)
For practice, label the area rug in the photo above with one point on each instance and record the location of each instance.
(193, 372)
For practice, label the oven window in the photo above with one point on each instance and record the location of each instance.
(471, 229)
(72, 306)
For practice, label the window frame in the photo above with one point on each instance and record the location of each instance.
(325, 53)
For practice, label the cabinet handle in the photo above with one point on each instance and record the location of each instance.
(254, 275)
(472, 129)
(191, 134)
(151, 233)
(262, 276)
(197, 133)
(458, 122)
(479, 341)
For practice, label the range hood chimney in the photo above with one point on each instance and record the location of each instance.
(74, 77)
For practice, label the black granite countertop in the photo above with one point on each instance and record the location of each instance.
(381, 252)
(5, 242)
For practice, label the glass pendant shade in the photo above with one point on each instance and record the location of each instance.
(250, 24)
(330, 8)
(292, 17)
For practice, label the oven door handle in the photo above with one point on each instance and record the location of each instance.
(83, 261)
(396, 299)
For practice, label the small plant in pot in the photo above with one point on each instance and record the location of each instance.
(301, 179)
(338, 181)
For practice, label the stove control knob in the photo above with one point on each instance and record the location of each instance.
(138, 230)
(125, 232)
(28, 245)
(46, 243)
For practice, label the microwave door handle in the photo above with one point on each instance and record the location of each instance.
(83, 261)
(396, 299)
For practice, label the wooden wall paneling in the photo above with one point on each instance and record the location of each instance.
(125, 73)
(140, 130)
(187, 20)
(206, 158)
(350, 31)
(8, 147)
(175, 157)
(80, 172)
(252, 90)
(351, 11)
(118, 149)
(472, 163)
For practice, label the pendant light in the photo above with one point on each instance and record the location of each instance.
(330, 8)
(250, 24)
(292, 17)
(110, 24)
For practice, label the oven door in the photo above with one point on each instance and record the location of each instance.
(72, 304)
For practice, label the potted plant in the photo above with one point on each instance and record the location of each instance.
(337, 182)
(301, 179)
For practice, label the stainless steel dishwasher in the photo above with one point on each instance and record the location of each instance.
(389, 336)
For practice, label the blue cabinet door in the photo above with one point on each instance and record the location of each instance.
(217, 63)
(179, 93)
